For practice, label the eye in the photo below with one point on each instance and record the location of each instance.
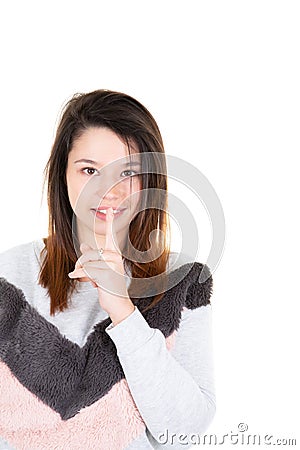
(88, 168)
(134, 172)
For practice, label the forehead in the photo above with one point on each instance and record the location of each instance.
(102, 146)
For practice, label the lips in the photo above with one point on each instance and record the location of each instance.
(100, 213)
(104, 209)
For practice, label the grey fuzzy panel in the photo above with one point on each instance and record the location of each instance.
(65, 376)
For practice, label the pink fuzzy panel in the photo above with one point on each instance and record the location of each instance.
(27, 423)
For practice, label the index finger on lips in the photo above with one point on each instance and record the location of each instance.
(109, 243)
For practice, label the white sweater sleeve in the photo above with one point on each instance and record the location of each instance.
(4, 445)
(173, 390)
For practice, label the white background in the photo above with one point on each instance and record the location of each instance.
(222, 80)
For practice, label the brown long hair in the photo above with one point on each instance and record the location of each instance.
(131, 121)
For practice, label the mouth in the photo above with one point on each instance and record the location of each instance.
(101, 213)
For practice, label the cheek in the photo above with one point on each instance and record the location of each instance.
(136, 184)
(135, 190)
(131, 187)
(74, 188)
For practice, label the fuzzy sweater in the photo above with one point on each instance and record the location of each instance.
(75, 381)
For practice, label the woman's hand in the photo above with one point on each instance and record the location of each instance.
(106, 273)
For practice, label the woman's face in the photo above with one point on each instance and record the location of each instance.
(102, 180)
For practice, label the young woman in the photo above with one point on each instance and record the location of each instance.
(103, 344)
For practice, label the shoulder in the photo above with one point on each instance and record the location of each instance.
(191, 278)
(19, 262)
(187, 287)
(21, 250)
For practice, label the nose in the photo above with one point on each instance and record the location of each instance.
(113, 194)
(111, 197)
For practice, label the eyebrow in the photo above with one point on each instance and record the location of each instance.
(90, 161)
